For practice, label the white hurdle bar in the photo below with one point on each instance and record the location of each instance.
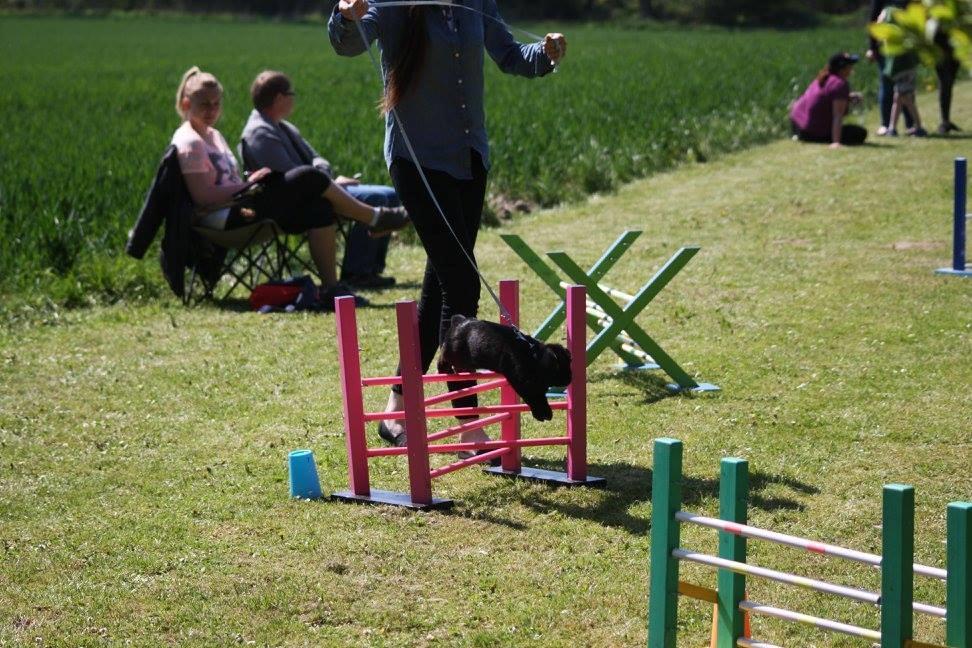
(824, 624)
(801, 543)
(799, 581)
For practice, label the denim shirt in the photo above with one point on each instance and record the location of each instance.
(443, 112)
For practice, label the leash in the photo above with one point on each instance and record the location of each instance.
(504, 313)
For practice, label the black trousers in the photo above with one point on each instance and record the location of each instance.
(294, 200)
(850, 134)
(947, 72)
(451, 284)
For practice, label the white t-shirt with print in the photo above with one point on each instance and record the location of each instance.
(210, 155)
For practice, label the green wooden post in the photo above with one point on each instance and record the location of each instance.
(733, 496)
(549, 277)
(666, 500)
(958, 599)
(624, 318)
(897, 560)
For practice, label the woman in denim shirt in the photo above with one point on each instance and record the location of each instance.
(432, 61)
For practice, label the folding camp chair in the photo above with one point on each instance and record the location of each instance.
(258, 252)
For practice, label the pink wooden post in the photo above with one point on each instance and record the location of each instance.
(577, 390)
(413, 393)
(510, 428)
(354, 426)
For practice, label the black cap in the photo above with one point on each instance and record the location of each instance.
(840, 60)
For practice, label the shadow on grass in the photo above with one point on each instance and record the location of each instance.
(652, 384)
(241, 305)
(629, 485)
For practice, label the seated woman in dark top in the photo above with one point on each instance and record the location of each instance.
(818, 115)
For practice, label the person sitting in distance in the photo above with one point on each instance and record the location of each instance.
(269, 140)
(818, 115)
(302, 199)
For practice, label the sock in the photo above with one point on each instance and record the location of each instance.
(374, 217)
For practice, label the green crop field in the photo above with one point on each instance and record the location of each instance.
(86, 111)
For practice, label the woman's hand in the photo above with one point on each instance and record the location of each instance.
(259, 175)
(554, 46)
(345, 181)
(353, 9)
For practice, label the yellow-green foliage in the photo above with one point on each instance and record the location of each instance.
(914, 28)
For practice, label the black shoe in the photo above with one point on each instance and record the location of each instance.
(328, 295)
(369, 281)
(390, 219)
(495, 462)
(398, 440)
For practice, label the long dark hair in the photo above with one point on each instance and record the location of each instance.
(822, 75)
(411, 55)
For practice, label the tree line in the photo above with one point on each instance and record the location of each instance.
(725, 12)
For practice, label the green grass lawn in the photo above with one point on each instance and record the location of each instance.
(143, 485)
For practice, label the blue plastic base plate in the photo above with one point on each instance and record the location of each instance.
(648, 366)
(702, 387)
(556, 393)
(391, 498)
(954, 273)
(549, 477)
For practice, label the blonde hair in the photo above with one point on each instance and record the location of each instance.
(193, 82)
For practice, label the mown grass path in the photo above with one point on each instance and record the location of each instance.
(143, 481)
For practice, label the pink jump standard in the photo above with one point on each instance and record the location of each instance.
(419, 410)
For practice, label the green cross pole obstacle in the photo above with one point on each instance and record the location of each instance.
(896, 602)
(616, 324)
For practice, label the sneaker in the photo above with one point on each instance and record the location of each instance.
(328, 295)
(917, 132)
(882, 131)
(368, 281)
(892, 132)
(390, 219)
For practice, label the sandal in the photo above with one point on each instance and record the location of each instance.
(398, 440)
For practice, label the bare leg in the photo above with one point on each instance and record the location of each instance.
(396, 403)
(895, 111)
(911, 106)
(323, 249)
(474, 436)
(347, 205)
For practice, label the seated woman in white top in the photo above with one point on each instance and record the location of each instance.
(303, 199)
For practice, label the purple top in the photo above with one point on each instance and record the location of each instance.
(814, 111)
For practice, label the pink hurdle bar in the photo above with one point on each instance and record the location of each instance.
(417, 411)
